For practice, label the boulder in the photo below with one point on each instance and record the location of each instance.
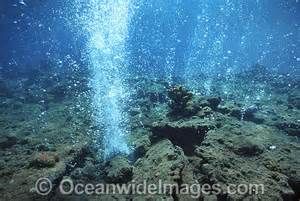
(141, 146)
(205, 111)
(233, 110)
(88, 171)
(164, 163)
(214, 102)
(180, 101)
(44, 159)
(118, 170)
(247, 114)
(248, 147)
(208, 101)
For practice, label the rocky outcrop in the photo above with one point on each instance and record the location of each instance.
(242, 113)
(44, 159)
(141, 146)
(166, 164)
(210, 101)
(118, 170)
(180, 102)
(248, 147)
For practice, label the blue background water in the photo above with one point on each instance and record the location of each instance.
(161, 32)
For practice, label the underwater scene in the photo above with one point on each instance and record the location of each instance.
(150, 100)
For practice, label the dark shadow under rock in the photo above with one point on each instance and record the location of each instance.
(183, 134)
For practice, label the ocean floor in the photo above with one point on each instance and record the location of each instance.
(177, 136)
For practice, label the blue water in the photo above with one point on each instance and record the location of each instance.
(187, 40)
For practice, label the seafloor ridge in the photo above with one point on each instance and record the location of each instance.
(177, 136)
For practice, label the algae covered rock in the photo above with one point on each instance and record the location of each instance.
(44, 159)
(214, 102)
(163, 162)
(248, 147)
(141, 146)
(180, 101)
(118, 170)
(166, 166)
(89, 171)
(249, 113)
(234, 110)
(205, 111)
